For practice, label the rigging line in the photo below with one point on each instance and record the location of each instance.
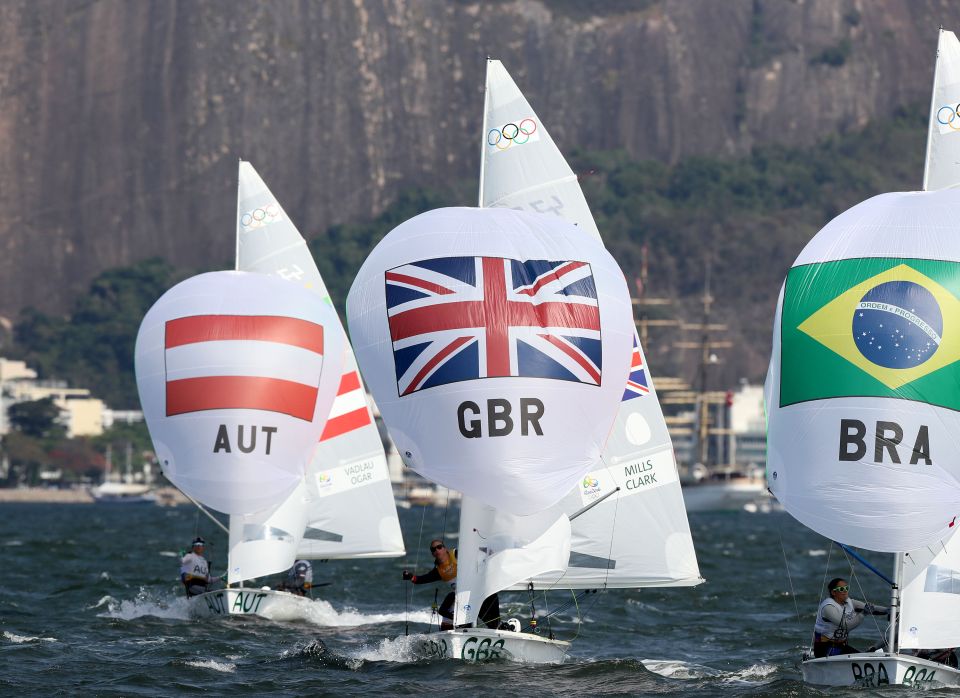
(416, 566)
(789, 577)
(853, 575)
(446, 509)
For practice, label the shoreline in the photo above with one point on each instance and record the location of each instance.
(166, 496)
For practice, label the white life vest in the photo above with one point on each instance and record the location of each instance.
(851, 619)
(194, 565)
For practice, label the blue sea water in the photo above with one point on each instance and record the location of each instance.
(90, 605)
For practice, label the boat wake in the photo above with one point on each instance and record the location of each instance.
(144, 604)
(323, 613)
(403, 649)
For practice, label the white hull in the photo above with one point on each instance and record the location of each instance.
(725, 496)
(878, 669)
(483, 645)
(242, 601)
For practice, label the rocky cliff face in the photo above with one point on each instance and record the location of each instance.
(122, 122)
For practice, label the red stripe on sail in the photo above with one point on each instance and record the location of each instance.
(349, 382)
(345, 422)
(265, 328)
(241, 393)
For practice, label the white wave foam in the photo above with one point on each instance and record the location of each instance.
(20, 639)
(169, 553)
(816, 552)
(401, 649)
(752, 674)
(679, 670)
(13, 543)
(320, 612)
(145, 604)
(225, 667)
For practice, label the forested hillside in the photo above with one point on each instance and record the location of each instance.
(749, 216)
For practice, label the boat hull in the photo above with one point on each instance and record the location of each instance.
(243, 601)
(877, 669)
(484, 645)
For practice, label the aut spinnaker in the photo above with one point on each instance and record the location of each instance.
(236, 374)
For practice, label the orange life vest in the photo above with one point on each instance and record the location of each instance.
(448, 572)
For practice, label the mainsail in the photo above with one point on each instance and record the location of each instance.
(942, 166)
(344, 507)
(522, 168)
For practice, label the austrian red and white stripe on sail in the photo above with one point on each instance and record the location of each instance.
(258, 362)
(349, 409)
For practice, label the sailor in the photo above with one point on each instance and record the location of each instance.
(837, 616)
(299, 578)
(445, 569)
(194, 569)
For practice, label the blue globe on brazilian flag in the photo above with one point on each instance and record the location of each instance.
(880, 327)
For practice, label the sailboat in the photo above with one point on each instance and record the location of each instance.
(497, 344)
(883, 273)
(634, 486)
(344, 507)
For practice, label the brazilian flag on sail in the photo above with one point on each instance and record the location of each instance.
(883, 327)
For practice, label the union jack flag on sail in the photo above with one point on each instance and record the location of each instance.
(637, 381)
(462, 318)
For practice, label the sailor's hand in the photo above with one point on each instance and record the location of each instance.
(407, 576)
(868, 609)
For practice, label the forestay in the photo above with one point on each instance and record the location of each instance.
(349, 499)
(236, 374)
(497, 344)
(863, 420)
(942, 167)
(930, 601)
(522, 168)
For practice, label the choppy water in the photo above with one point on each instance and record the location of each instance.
(90, 604)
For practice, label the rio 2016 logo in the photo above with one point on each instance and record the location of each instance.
(512, 134)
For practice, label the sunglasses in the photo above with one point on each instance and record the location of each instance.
(846, 588)
(435, 548)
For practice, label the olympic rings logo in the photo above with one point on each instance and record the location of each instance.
(949, 116)
(511, 133)
(261, 216)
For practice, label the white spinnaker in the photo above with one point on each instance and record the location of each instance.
(942, 167)
(266, 542)
(866, 502)
(349, 500)
(231, 416)
(497, 550)
(930, 601)
(496, 343)
(531, 174)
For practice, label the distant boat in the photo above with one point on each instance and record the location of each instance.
(115, 491)
(123, 493)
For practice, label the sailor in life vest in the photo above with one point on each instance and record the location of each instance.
(299, 578)
(837, 616)
(194, 569)
(445, 569)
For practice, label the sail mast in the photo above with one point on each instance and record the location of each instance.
(483, 142)
(892, 635)
(933, 115)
